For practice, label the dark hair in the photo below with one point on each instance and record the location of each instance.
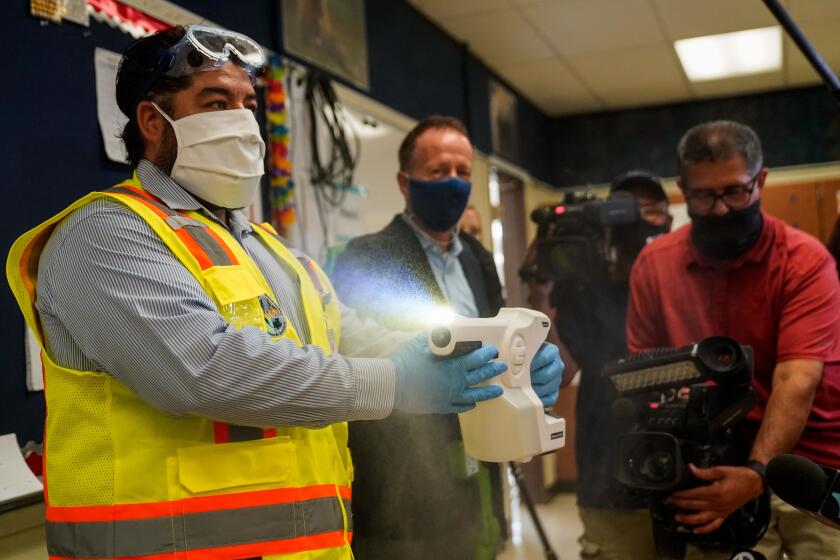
(408, 144)
(139, 78)
(718, 141)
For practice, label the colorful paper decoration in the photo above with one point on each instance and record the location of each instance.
(51, 10)
(281, 186)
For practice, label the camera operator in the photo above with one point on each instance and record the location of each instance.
(589, 319)
(738, 272)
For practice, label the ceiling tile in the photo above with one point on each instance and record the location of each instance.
(617, 53)
(804, 10)
(823, 36)
(741, 85)
(584, 26)
(499, 37)
(551, 86)
(693, 18)
(442, 9)
(632, 77)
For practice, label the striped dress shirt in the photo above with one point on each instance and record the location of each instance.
(112, 297)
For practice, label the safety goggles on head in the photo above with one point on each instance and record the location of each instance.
(207, 48)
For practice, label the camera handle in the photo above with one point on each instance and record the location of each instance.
(520, 481)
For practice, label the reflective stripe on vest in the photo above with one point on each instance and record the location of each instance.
(208, 250)
(202, 241)
(216, 526)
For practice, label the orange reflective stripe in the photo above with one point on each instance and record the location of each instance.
(291, 527)
(286, 546)
(150, 201)
(226, 433)
(313, 273)
(332, 539)
(200, 253)
(122, 512)
(220, 432)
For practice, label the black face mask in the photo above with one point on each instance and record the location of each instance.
(729, 236)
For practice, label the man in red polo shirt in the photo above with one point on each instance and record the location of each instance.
(738, 272)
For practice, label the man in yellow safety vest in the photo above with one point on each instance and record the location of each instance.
(197, 399)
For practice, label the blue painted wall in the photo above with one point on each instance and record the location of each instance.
(796, 127)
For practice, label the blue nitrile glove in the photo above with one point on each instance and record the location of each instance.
(547, 373)
(427, 384)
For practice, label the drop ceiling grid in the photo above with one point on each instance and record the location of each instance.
(571, 56)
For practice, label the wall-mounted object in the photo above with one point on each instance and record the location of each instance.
(330, 34)
(504, 121)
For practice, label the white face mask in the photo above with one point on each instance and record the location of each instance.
(220, 156)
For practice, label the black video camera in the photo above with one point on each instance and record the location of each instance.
(682, 405)
(574, 237)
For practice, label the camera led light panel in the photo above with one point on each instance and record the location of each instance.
(656, 376)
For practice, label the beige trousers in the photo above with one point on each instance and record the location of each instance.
(791, 534)
(627, 535)
(616, 534)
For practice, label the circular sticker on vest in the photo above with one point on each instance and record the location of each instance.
(275, 321)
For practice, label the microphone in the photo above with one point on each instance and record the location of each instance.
(807, 486)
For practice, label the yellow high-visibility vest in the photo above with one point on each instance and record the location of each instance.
(124, 480)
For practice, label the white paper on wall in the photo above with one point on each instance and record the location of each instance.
(76, 11)
(16, 478)
(111, 119)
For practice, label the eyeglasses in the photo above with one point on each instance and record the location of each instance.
(733, 196)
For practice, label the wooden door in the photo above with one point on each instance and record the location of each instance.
(796, 204)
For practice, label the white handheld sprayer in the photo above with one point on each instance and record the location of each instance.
(515, 426)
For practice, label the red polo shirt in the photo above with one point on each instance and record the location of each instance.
(782, 298)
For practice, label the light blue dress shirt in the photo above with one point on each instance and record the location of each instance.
(448, 271)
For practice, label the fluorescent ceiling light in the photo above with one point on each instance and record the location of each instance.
(731, 54)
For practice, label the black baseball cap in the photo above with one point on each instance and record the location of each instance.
(639, 180)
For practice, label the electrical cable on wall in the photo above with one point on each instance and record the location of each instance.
(333, 176)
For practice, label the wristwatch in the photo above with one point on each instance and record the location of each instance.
(760, 468)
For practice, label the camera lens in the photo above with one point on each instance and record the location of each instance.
(657, 467)
(721, 354)
(441, 337)
(649, 461)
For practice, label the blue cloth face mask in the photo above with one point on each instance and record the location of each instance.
(438, 204)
